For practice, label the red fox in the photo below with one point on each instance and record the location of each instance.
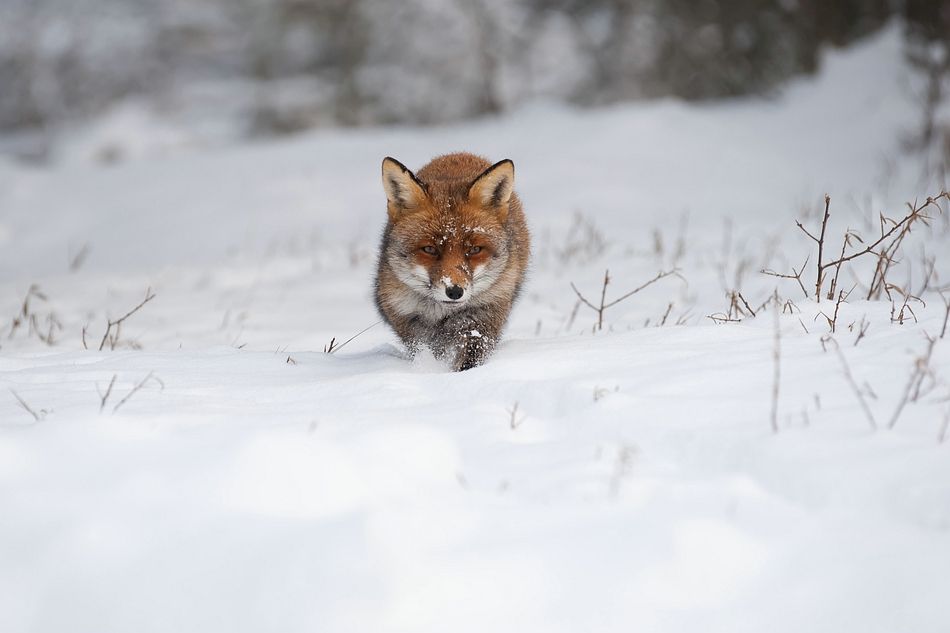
(453, 256)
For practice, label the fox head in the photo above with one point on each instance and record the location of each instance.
(447, 239)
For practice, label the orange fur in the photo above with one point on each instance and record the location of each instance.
(453, 255)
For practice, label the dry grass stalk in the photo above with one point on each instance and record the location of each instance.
(332, 347)
(28, 316)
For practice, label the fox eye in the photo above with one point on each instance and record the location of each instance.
(475, 250)
(429, 250)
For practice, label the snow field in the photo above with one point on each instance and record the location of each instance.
(610, 480)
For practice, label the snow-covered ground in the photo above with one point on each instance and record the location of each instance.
(238, 478)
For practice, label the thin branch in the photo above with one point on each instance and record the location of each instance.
(776, 373)
(118, 322)
(745, 303)
(135, 389)
(806, 231)
(946, 315)
(797, 276)
(514, 421)
(658, 277)
(104, 397)
(862, 329)
(36, 416)
(581, 297)
(854, 386)
(821, 247)
(915, 213)
(912, 389)
(603, 294)
(666, 315)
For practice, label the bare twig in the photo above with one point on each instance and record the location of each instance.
(77, 260)
(797, 276)
(658, 277)
(745, 303)
(573, 315)
(104, 397)
(821, 244)
(930, 263)
(886, 255)
(513, 420)
(848, 236)
(36, 416)
(776, 370)
(117, 324)
(862, 329)
(604, 304)
(854, 385)
(719, 317)
(622, 468)
(905, 305)
(921, 372)
(946, 315)
(135, 389)
(603, 294)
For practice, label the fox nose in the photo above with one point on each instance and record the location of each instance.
(454, 292)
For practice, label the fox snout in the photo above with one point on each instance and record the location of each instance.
(453, 288)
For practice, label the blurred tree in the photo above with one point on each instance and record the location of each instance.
(290, 64)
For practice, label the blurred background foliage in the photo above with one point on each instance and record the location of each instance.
(277, 66)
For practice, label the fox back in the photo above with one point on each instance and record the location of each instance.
(453, 255)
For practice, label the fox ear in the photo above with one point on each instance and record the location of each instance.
(404, 192)
(493, 188)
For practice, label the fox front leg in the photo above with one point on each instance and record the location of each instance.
(475, 347)
(466, 339)
(471, 341)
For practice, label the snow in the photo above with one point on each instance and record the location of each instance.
(612, 480)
